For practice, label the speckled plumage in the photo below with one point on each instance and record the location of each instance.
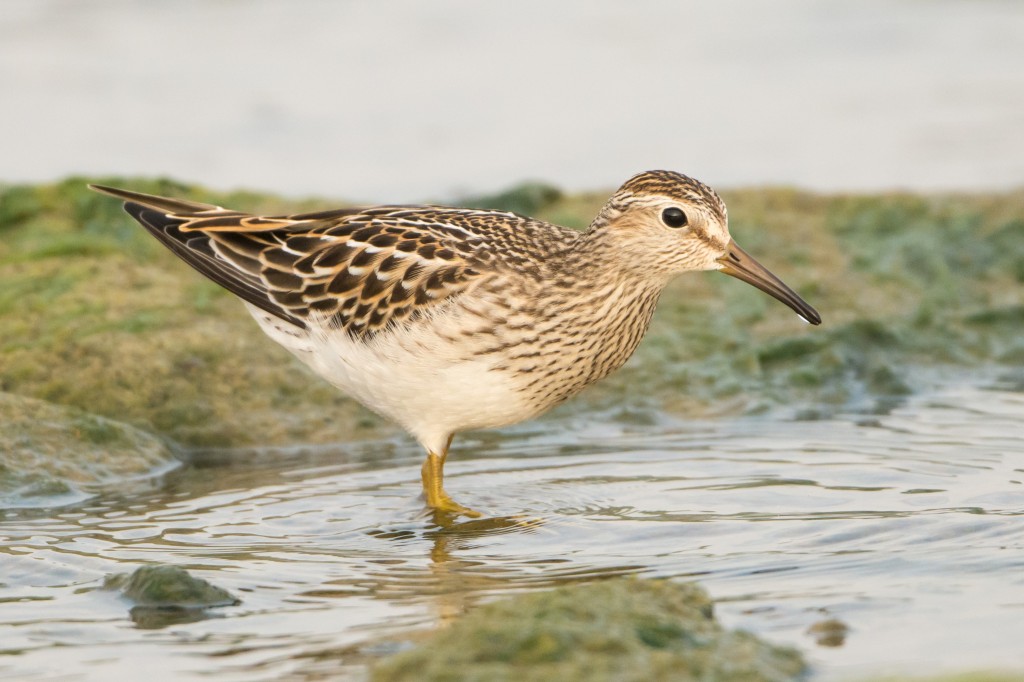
(449, 319)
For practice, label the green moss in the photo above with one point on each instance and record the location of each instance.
(789, 350)
(18, 204)
(99, 431)
(1008, 315)
(46, 448)
(526, 198)
(169, 586)
(168, 595)
(622, 629)
(884, 380)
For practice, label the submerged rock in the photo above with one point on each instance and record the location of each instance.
(168, 595)
(46, 451)
(621, 629)
(830, 632)
(169, 586)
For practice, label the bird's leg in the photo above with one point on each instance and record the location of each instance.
(433, 485)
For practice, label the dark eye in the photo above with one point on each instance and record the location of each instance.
(673, 217)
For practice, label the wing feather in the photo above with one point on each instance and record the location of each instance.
(361, 270)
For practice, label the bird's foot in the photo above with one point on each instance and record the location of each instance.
(444, 504)
(437, 499)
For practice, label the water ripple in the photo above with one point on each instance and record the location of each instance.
(905, 523)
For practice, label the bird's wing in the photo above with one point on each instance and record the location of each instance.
(354, 269)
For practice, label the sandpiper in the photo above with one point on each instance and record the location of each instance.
(451, 319)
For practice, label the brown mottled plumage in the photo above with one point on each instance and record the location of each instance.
(449, 319)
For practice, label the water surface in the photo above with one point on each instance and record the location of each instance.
(908, 527)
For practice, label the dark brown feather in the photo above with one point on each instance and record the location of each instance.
(361, 269)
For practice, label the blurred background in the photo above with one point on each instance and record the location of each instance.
(412, 101)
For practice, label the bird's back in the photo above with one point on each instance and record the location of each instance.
(361, 270)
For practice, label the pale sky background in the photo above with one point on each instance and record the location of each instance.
(405, 100)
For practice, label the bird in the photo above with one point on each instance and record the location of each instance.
(444, 320)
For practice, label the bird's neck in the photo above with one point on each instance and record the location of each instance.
(612, 297)
(599, 256)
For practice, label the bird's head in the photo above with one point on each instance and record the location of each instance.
(662, 223)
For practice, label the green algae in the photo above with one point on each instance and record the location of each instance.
(47, 451)
(168, 595)
(169, 586)
(525, 198)
(621, 629)
(96, 315)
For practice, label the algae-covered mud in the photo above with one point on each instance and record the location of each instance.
(51, 454)
(167, 595)
(621, 629)
(854, 491)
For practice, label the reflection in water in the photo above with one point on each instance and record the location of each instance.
(157, 617)
(903, 528)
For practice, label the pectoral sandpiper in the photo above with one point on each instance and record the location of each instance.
(451, 319)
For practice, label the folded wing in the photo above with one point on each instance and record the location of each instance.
(360, 270)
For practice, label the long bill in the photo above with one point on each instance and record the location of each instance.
(741, 265)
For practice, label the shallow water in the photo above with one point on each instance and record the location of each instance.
(908, 527)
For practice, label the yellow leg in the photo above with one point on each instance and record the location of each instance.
(433, 486)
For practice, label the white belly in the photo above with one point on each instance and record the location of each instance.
(419, 380)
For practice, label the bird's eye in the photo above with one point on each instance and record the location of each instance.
(674, 217)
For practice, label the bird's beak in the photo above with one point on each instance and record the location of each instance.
(741, 265)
